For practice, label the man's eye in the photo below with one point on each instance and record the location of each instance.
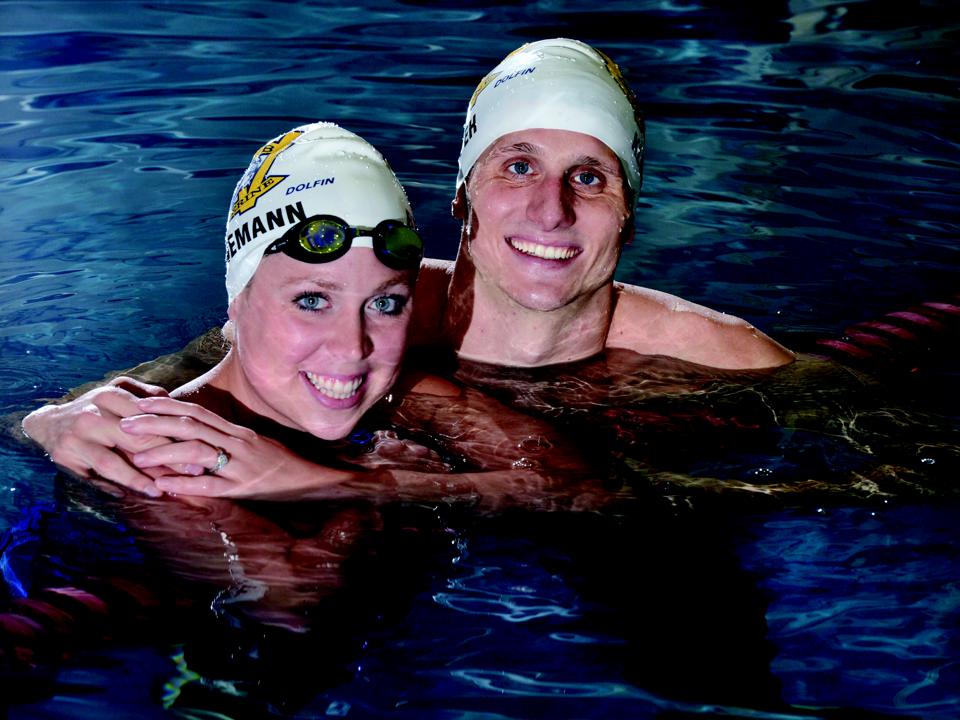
(312, 302)
(586, 177)
(389, 304)
(520, 167)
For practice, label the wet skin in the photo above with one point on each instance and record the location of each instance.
(318, 344)
(549, 209)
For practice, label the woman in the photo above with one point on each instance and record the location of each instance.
(322, 256)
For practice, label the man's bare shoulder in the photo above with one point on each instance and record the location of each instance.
(430, 302)
(652, 322)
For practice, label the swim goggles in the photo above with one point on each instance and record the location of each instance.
(324, 238)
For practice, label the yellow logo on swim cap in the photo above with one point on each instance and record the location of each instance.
(260, 183)
(491, 76)
(617, 75)
(482, 86)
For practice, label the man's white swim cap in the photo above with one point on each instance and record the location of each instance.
(318, 169)
(556, 84)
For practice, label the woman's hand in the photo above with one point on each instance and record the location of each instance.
(235, 461)
(84, 436)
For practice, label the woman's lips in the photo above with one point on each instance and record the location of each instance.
(336, 391)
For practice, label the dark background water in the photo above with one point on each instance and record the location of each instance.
(801, 172)
(801, 167)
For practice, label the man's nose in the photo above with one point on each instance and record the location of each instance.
(349, 339)
(551, 204)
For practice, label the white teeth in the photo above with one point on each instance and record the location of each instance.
(547, 252)
(336, 389)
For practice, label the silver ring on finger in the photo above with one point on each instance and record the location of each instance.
(222, 459)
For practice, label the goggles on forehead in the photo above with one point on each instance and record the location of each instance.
(324, 238)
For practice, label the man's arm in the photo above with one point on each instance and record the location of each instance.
(651, 322)
(516, 460)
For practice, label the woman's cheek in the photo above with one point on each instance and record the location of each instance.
(394, 344)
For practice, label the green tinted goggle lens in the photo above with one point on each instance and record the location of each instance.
(324, 238)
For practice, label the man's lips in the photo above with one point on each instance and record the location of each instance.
(543, 252)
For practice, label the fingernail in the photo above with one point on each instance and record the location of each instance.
(163, 484)
(145, 403)
(192, 469)
(153, 491)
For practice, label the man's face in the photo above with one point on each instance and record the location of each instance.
(548, 210)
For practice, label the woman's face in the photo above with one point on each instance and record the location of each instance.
(319, 344)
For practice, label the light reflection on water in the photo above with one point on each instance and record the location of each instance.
(800, 173)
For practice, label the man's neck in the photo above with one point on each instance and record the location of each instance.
(485, 325)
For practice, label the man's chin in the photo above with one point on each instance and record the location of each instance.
(540, 300)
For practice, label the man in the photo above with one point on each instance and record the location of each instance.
(549, 170)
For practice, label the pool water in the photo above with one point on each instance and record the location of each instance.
(801, 172)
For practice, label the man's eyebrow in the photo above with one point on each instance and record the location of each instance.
(591, 161)
(525, 148)
(522, 148)
(588, 160)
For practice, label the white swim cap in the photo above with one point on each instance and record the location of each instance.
(556, 84)
(318, 169)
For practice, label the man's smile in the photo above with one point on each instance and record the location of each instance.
(545, 252)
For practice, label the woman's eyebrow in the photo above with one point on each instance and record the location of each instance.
(399, 278)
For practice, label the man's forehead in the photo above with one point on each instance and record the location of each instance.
(572, 147)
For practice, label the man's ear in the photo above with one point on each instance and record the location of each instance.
(458, 208)
(626, 234)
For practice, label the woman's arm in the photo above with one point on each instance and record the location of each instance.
(84, 437)
(525, 470)
(81, 431)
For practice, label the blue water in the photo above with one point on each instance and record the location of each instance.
(801, 172)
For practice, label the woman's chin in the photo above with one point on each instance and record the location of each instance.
(337, 430)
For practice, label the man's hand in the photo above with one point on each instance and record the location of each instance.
(84, 435)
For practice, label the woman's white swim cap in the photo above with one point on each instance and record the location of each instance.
(556, 84)
(318, 169)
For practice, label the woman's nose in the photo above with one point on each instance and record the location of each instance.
(349, 339)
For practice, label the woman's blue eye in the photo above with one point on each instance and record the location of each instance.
(520, 167)
(389, 304)
(312, 302)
